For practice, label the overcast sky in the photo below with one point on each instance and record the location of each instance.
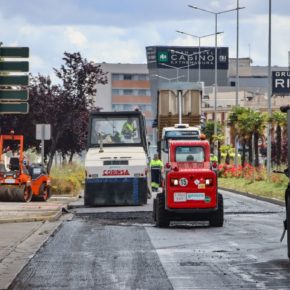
(117, 31)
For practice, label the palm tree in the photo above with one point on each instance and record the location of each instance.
(279, 120)
(258, 126)
(209, 131)
(244, 125)
(248, 123)
(236, 129)
(219, 138)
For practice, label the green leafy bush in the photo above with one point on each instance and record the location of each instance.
(67, 179)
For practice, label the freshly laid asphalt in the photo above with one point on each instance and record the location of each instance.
(25, 227)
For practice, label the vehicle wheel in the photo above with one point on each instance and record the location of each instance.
(162, 216)
(44, 192)
(154, 210)
(216, 218)
(288, 222)
(26, 194)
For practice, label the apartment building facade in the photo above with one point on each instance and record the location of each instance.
(135, 85)
(128, 88)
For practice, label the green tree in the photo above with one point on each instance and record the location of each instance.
(238, 122)
(278, 121)
(208, 130)
(220, 138)
(257, 121)
(65, 106)
(247, 123)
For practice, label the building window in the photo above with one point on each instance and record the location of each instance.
(144, 107)
(127, 77)
(117, 107)
(115, 77)
(127, 107)
(206, 97)
(128, 92)
(142, 77)
(233, 84)
(142, 92)
(115, 92)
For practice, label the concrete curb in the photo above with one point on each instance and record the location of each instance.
(64, 197)
(251, 195)
(52, 217)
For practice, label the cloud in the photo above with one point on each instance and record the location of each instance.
(76, 37)
(119, 31)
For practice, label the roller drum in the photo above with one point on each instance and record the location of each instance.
(15, 193)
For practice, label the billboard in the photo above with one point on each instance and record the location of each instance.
(182, 56)
(280, 82)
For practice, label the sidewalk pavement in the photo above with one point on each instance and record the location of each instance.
(24, 228)
(12, 212)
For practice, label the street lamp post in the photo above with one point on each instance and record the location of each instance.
(168, 79)
(215, 69)
(177, 68)
(237, 81)
(188, 56)
(199, 38)
(269, 92)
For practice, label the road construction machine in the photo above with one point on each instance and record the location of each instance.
(116, 162)
(178, 114)
(19, 180)
(190, 190)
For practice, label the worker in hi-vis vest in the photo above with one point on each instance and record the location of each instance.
(156, 166)
(128, 129)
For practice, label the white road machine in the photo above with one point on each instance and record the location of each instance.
(117, 159)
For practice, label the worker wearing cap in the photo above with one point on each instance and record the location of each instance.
(156, 166)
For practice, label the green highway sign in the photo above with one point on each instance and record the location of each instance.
(12, 60)
(14, 108)
(14, 80)
(13, 95)
(14, 52)
(14, 66)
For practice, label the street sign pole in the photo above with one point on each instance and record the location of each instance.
(43, 132)
(42, 144)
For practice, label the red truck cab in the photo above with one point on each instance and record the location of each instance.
(190, 189)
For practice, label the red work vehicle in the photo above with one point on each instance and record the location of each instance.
(18, 181)
(190, 187)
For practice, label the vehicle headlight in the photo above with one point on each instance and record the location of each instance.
(209, 182)
(174, 181)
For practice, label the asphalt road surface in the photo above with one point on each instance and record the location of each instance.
(124, 250)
